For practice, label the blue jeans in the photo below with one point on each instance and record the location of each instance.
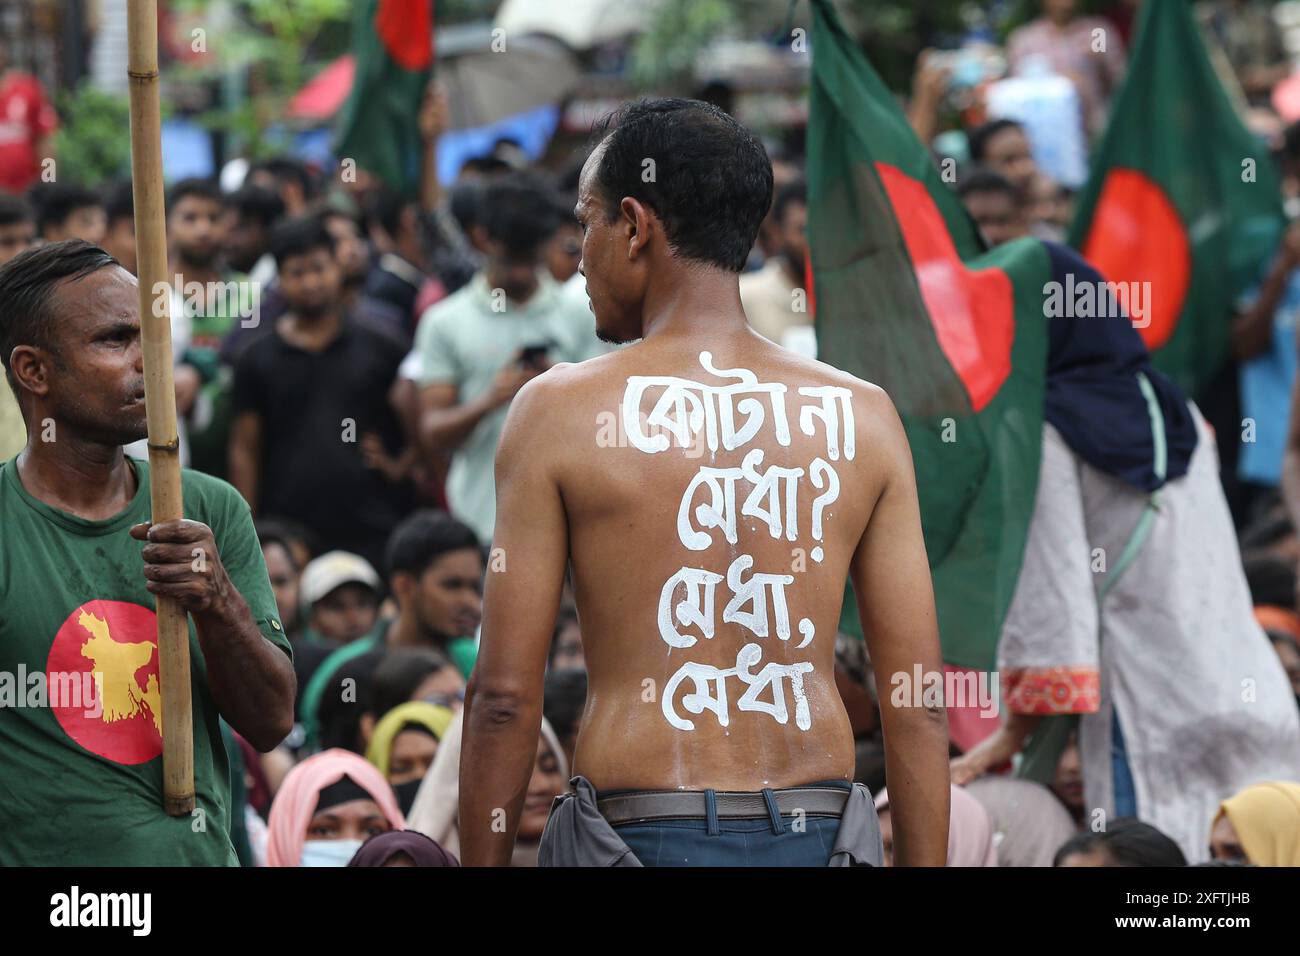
(765, 841)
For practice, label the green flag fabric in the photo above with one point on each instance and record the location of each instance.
(392, 42)
(1181, 196)
(908, 298)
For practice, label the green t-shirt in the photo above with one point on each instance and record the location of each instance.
(210, 419)
(80, 770)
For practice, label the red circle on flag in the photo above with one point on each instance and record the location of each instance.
(1136, 235)
(102, 680)
(972, 311)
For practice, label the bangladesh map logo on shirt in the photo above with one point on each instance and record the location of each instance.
(118, 643)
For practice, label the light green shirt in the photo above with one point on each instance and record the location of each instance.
(465, 340)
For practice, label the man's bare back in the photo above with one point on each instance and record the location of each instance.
(708, 493)
(654, 575)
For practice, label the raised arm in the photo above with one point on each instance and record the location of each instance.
(891, 578)
(503, 703)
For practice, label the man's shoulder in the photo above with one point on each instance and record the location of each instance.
(373, 334)
(801, 371)
(262, 345)
(207, 497)
(574, 383)
(567, 397)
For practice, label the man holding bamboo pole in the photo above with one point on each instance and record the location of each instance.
(81, 710)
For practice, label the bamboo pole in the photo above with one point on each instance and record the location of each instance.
(159, 392)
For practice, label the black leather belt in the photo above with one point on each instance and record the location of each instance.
(649, 805)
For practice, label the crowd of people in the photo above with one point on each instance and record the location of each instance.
(345, 356)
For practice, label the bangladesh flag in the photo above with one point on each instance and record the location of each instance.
(908, 298)
(392, 41)
(1180, 196)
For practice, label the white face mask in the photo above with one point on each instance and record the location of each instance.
(328, 852)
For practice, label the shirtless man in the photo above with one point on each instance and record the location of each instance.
(710, 492)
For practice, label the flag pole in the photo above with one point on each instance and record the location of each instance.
(160, 393)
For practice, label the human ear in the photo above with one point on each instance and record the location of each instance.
(638, 221)
(30, 368)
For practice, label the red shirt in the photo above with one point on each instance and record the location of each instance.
(26, 117)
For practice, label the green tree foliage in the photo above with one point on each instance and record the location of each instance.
(892, 32)
(91, 146)
(269, 46)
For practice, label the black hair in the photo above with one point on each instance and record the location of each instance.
(465, 201)
(194, 186)
(488, 165)
(384, 207)
(563, 697)
(13, 209)
(423, 537)
(286, 531)
(795, 191)
(269, 533)
(27, 284)
(1128, 842)
(520, 211)
(297, 237)
(400, 673)
(327, 211)
(119, 202)
(284, 168)
(981, 179)
(978, 138)
(57, 202)
(706, 177)
(339, 719)
(256, 203)
(1291, 141)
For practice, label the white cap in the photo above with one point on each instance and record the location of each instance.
(330, 570)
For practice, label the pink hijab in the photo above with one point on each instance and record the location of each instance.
(295, 803)
(970, 834)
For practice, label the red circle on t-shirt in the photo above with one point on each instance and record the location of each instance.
(1137, 236)
(117, 714)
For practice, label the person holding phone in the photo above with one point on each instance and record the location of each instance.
(475, 349)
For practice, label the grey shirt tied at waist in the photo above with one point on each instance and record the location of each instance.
(577, 835)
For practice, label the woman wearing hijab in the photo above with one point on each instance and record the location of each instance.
(404, 744)
(1131, 619)
(970, 835)
(326, 808)
(436, 804)
(1260, 825)
(402, 848)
